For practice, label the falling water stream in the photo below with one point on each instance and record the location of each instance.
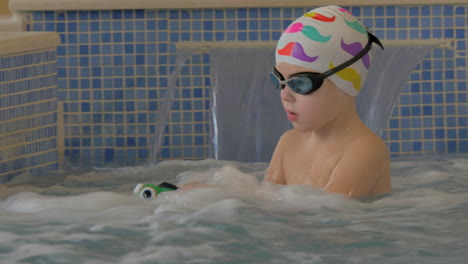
(182, 56)
(247, 116)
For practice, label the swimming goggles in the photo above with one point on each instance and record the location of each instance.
(308, 82)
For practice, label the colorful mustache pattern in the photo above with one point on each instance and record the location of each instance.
(356, 26)
(350, 75)
(309, 31)
(320, 17)
(354, 49)
(296, 50)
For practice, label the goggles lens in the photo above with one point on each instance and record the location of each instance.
(301, 83)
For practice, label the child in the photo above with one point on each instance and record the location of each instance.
(322, 61)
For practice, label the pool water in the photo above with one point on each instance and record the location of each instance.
(92, 217)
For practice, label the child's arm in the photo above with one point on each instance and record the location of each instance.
(362, 171)
(275, 172)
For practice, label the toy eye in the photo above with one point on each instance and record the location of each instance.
(147, 193)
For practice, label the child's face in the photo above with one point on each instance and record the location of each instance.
(312, 111)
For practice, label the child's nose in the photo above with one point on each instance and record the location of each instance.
(287, 94)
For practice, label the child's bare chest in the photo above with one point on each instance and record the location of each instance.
(308, 167)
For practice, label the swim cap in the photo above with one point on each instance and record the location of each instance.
(324, 38)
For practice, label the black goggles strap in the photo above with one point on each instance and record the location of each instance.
(364, 51)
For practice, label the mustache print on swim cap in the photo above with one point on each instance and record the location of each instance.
(323, 38)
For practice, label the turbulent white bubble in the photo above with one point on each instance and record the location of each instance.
(93, 217)
(31, 202)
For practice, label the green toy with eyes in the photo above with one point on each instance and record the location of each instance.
(149, 191)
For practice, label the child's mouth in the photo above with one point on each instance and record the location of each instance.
(292, 116)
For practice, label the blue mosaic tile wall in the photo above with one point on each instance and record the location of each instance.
(28, 114)
(113, 70)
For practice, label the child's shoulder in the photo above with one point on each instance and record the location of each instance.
(289, 136)
(368, 144)
(372, 139)
(288, 140)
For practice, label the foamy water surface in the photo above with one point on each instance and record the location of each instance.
(92, 217)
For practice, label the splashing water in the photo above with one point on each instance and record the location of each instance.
(93, 218)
